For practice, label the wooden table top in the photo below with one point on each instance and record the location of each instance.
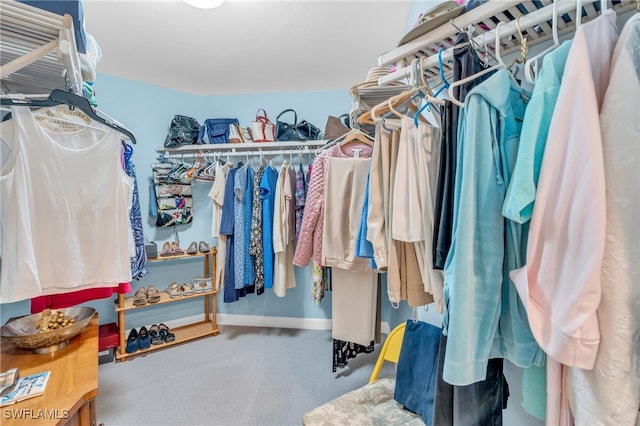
(73, 380)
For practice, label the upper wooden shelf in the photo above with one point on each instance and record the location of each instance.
(181, 256)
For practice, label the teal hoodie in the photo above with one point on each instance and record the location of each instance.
(484, 317)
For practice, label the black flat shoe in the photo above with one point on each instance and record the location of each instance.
(144, 341)
(132, 341)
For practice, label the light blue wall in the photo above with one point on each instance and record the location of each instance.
(147, 111)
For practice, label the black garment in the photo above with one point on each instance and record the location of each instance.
(343, 351)
(478, 404)
(465, 63)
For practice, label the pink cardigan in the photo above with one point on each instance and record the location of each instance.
(310, 238)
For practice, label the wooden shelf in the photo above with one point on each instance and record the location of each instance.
(181, 256)
(164, 298)
(208, 327)
(183, 334)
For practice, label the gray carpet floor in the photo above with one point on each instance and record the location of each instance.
(243, 376)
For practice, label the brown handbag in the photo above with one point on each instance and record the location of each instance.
(335, 127)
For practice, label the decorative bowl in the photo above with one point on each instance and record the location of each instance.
(24, 333)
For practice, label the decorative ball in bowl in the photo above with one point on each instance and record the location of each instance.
(49, 330)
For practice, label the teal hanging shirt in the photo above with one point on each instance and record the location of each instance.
(518, 203)
(484, 317)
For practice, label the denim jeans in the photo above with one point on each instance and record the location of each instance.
(417, 369)
(478, 404)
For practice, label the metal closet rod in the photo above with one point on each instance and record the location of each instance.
(527, 21)
(225, 154)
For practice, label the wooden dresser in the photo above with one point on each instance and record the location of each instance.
(73, 386)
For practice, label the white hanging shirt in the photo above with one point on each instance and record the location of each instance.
(65, 208)
(284, 231)
(216, 193)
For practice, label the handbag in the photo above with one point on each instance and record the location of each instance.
(217, 129)
(336, 126)
(235, 133)
(308, 131)
(287, 131)
(183, 130)
(262, 128)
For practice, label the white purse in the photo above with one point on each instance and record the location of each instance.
(263, 130)
(235, 134)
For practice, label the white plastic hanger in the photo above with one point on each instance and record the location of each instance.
(354, 135)
(578, 13)
(499, 65)
(531, 67)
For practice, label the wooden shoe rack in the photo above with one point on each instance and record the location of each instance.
(185, 333)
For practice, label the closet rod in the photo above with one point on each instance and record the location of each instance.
(242, 147)
(527, 21)
(224, 154)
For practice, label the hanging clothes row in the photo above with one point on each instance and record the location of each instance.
(255, 220)
(532, 228)
(90, 224)
(327, 237)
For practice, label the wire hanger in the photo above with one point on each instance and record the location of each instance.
(60, 97)
(531, 67)
(523, 45)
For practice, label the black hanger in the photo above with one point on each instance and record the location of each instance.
(60, 97)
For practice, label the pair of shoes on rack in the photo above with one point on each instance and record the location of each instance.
(171, 249)
(201, 247)
(138, 340)
(202, 284)
(176, 290)
(144, 296)
(160, 333)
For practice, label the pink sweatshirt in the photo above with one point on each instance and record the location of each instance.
(310, 238)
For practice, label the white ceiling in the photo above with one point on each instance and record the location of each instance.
(244, 46)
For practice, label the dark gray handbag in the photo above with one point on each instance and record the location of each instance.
(183, 130)
(287, 131)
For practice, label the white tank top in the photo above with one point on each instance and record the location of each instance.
(64, 208)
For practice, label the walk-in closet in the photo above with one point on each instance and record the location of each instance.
(262, 212)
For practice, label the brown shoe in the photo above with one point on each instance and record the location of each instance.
(153, 295)
(166, 250)
(140, 298)
(176, 248)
